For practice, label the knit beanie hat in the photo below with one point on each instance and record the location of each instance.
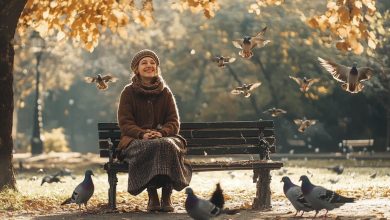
(141, 54)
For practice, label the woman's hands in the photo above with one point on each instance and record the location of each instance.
(151, 134)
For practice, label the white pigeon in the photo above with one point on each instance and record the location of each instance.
(321, 198)
(83, 192)
(350, 77)
(295, 196)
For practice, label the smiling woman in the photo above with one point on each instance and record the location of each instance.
(150, 143)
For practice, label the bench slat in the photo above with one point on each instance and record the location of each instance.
(212, 150)
(215, 166)
(201, 133)
(227, 124)
(204, 125)
(195, 142)
(205, 142)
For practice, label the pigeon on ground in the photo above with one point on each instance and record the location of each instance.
(305, 83)
(101, 81)
(339, 169)
(50, 179)
(65, 172)
(83, 192)
(222, 61)
(201, 209)
(321, 198)
(350, 77)
(304, 124)
(247, 43)
(275, 112)
(245, 89)
(295, 196)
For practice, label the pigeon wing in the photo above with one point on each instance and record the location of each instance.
(237, 91)
(364, 73)
(262, 32)
(89, 79)
(312, 81)
(208, 208)
(298, 121)
(229, 60)
(254, 86)
(297, 80)
(109, 78)
(338, 71)
(238, 43)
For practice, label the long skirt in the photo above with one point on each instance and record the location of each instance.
(155, 158)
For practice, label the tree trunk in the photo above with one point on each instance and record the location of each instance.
(388, 129)
(9, 15)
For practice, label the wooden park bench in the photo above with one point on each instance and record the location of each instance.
(211, 139)
(362, 143)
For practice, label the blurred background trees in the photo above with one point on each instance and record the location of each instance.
(186, 42)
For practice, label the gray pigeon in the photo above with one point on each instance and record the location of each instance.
(321, 198)
(339, 169)
(350, 77)
(295, 196)
(50, 179)
(83, 192)
(200, 209)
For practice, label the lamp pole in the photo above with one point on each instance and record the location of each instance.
(36, 141)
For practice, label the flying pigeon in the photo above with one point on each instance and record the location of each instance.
(305, 83)
(350, 77)
(83, 192)
(321, 198)
(245, 89)
(50, 179)
(222, 61)
(275, 112)
(247, 43)
(339, 169)
(295, 196)
(304, 124)
(101, 81)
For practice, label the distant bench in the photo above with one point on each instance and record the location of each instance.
(362, 143)
(211, 139)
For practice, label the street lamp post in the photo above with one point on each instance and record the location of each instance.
(38, 45)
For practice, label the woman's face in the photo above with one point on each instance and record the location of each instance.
(147, 68)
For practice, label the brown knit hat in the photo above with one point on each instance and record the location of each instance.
(141, 54)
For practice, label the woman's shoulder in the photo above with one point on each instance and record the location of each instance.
(128, 88)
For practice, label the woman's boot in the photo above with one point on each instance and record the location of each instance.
(153, 203)
(166, 203)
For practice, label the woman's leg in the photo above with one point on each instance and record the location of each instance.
(153, 203)
(166, 203)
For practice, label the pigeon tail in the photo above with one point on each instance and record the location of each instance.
(217, 198)
(230, 211)
(67, 201)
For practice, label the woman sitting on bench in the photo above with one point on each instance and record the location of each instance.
(150, 144)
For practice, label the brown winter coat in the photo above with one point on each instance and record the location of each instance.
(144, 107)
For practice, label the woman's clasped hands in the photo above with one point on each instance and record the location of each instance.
(151, 134)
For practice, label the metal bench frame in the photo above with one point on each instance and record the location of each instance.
(211, 139)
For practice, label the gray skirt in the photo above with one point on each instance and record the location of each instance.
(155, 157)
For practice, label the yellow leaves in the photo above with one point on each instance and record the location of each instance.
(42, 28)
(60, 35)
(343, 13)
(350, 20)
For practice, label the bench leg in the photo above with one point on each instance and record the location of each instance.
(262, 200)
(112, 180)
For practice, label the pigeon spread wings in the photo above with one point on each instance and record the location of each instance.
(365, 73)
(338, 71)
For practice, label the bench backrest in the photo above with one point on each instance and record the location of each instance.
(208, 138)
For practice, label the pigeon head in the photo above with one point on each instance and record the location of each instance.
(304, 179)
(89, 173)
(354, 64)
(99, 76)
(189, 191)
(285, 179)
(247, 39)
